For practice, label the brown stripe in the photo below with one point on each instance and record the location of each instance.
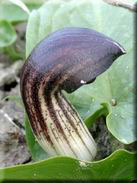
(35, 116)
(66, 125)
(76, 114)
(49, 81)
(26, 98)
(53, 115)
(73, 113)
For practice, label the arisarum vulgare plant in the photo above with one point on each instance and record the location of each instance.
(65, 60)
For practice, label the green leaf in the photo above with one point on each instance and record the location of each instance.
(7, 34)
(36, 151)
(14, 13)
(119, 166)
(114, 85)
(21, 5)
(13, 54)
(38, 25)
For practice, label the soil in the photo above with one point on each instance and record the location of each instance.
(13, 148)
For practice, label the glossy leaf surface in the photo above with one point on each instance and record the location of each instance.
(64, 168)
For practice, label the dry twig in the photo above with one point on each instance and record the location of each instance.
(124, 4)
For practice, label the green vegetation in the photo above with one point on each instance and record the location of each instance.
(111, 95)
